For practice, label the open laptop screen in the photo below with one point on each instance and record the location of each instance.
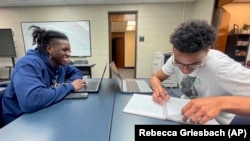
(116, 75)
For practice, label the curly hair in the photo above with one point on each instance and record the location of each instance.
(193, 36)
(43, 37)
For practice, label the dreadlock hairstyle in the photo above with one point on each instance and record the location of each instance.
(43, 37)
(193, 36)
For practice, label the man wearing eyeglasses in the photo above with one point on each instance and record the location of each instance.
(218, 86)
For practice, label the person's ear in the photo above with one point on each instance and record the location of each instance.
(49, 49)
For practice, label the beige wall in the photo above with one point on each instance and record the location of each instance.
(155, 22)
(203, 9)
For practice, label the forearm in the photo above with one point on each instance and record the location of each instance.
(35, 99)
(155, 83)
(236, 104)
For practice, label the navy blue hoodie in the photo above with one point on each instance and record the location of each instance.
(32, 85)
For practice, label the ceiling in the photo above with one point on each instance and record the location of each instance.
(15, 3)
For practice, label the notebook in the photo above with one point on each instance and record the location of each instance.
(93, 85)
(129, 85)
(143, 105)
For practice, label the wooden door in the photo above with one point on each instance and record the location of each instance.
(223, 2)
(118, 44)
(222, 25)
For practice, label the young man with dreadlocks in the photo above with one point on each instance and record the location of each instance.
(41, 78)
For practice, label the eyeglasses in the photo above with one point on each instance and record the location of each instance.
(191, 66)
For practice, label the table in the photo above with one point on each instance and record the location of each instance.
(69, 120)
(85, 68)
(97, 118)
(123, 124)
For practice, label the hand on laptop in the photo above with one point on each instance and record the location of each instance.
(79, 84)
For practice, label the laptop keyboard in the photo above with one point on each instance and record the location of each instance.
(92, 85)
(132, 86)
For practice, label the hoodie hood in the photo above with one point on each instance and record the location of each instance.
(42, 56)
(45, 63)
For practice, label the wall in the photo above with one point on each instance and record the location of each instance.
(156, 22)
(203, 9)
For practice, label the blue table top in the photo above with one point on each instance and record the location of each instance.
(69, 120)
(123, 124)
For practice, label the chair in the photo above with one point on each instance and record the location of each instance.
(240, 120)
(4, 83)
(1, 97)
(79, 62)
(3, 86)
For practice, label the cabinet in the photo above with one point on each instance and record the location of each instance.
(237, 47)
(159, 59)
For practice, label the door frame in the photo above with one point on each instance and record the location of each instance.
(110, 13)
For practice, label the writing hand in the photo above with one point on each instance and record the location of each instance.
(160, 95)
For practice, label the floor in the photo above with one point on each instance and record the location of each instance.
(126, 73)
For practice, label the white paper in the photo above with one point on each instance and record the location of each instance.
(142, 104)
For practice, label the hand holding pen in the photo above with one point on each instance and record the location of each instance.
(160, 95)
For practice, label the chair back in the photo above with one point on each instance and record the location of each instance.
(1, 111)
(240, 120)
(3, 86)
